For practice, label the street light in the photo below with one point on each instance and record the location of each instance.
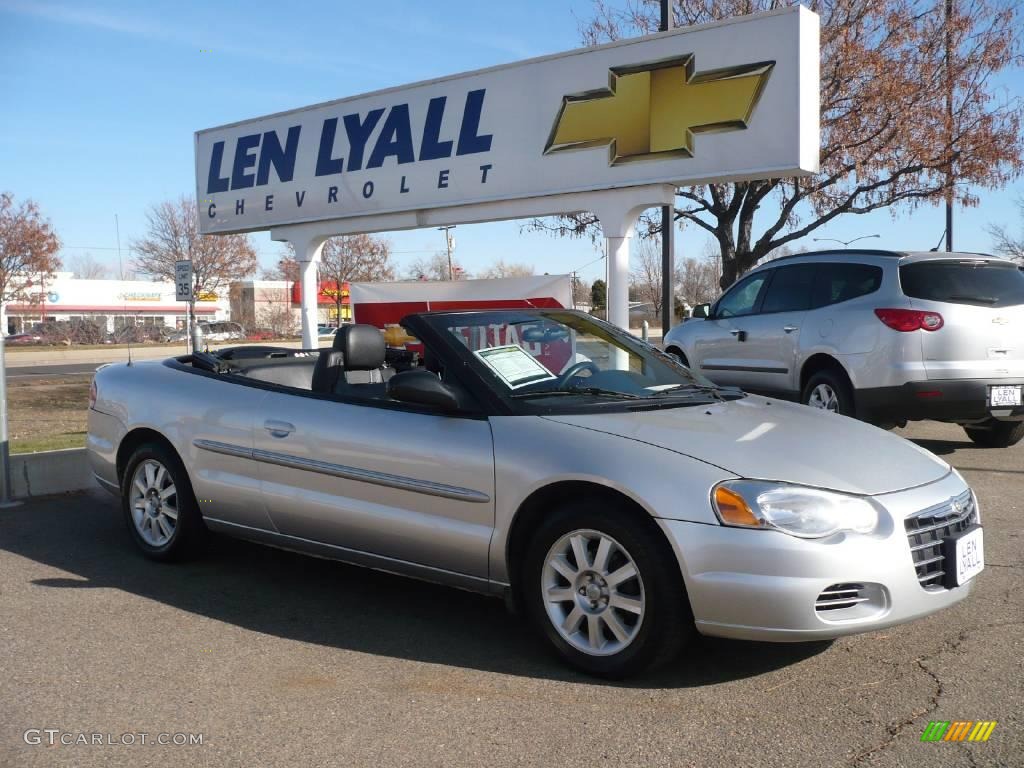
(844, 243)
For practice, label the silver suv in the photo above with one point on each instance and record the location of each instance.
(885, 336)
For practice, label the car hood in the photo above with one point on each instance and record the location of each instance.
(754, 437)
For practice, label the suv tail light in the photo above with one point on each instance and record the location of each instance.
(906, 320)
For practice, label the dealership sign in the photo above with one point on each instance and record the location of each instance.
(733, 100)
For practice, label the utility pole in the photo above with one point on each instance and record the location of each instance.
(668, 265)
(949, 124)
(448, 244)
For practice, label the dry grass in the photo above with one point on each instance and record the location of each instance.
(46, 414)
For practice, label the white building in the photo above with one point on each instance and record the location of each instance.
(110, 304)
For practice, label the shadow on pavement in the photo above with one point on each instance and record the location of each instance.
(311, 600)
(942, 447)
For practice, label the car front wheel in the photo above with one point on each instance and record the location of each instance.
(996, 434)
(158, 504)
(605, 591)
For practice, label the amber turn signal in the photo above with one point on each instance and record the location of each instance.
(733, 509)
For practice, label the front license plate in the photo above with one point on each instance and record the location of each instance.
(1004, 395)
(965, 556)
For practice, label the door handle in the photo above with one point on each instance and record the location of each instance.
(278, 428)
(790, 328)
(740, 335)
(735, 331)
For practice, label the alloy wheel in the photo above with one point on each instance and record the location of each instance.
(154, 503)
(825, 398)
(593, 592)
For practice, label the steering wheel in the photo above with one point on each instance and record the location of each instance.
(574, 370)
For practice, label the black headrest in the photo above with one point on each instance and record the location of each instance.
(362, 347)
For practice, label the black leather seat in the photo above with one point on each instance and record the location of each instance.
(355, 360)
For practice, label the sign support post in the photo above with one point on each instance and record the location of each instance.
(668, 262)
(183, 292)
(5, 449)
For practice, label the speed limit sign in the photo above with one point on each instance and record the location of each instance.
(183, 280)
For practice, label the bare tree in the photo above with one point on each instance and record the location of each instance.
(174, 235)
(887, 137)
(287, 268)
(697, 278)
(355, 258)
(501, 268)
(645, 273)
(28, 250)
(581, 291)
(1006, 244)
(435, 268)
(85, 267)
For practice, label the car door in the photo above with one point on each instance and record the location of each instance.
(719, 351)
(391, 481)
(771, 342)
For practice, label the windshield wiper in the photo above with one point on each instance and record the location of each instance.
(596, 391)
(715, 392)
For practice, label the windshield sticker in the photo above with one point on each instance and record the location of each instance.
(514, 365)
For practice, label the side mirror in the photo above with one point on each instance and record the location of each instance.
(703, 311)
(422, 388)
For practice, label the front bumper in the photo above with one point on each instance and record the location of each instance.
(763, 584)
(961, 400)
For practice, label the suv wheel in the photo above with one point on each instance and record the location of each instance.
(829, 391)
(996, 434)
(599, 586)
(158, 504)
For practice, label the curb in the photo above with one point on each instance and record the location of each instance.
(48, 472)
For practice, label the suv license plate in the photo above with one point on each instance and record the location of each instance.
(965, 556)
(1003, 396)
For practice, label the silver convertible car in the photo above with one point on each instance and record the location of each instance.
(619, 500)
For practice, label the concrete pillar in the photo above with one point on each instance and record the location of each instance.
(308, 241)
(618, 210)
(310, 295)
(617, 253)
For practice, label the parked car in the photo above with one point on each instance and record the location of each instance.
(623, 501)
(886, 336)
(23, 339)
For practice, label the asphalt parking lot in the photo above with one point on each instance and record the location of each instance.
(279, 659)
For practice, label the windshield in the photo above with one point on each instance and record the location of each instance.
(560, 353)
(983, 283)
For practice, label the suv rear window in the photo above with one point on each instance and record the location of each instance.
(838, 282)
(981, 283)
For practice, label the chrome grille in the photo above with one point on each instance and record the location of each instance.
(926, 530)
(839, 596)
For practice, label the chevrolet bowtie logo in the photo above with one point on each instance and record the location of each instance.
(652, 110)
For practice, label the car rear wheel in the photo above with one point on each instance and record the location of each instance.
(158, 504)
(996, 434)
(604, 591)
(829, 391)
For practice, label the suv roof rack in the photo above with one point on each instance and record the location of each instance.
(841, 251)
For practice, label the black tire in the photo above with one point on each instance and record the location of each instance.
(188, 531)
(678, 355)
(837, 383)
(667, 622)
(996, 434)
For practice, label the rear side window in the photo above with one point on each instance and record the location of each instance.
(841, 282)
(790, 289)
(981, 283)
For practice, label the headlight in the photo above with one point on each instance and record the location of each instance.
(805, 512)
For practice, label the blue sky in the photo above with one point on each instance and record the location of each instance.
(99, 103)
